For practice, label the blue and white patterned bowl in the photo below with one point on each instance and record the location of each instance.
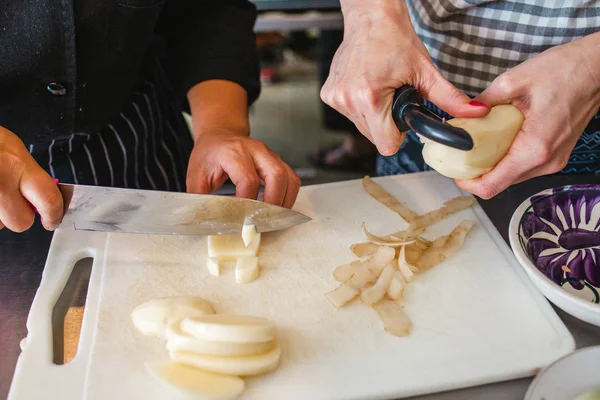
(555, 235)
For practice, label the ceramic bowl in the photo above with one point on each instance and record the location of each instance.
(572, 377)
(555, 235)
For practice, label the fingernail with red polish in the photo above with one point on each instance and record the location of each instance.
(55, 180)
(478, 104)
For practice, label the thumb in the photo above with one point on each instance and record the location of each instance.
(446, 96)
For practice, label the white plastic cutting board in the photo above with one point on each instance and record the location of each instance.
(477, 319)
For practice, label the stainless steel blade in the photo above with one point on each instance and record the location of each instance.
(94, 208)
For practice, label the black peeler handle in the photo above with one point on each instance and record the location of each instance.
(409, 113)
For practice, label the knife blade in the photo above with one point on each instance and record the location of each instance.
(95, 208)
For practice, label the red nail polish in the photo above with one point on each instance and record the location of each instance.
(478, 104)
(55, 180)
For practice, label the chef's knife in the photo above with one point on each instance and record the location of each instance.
(94, 208)
(409, 113)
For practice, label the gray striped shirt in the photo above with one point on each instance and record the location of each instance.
(474, 41)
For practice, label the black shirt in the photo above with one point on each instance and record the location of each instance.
(70, 66)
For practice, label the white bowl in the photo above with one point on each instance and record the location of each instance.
(560, 227)
(568, 377)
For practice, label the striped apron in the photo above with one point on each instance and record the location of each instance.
(147, 146)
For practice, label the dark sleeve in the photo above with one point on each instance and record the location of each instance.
(210, 39)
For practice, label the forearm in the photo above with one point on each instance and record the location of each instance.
(381, 8)
(219, 107)
(589, 48)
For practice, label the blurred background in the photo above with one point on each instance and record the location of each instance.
(297, 40)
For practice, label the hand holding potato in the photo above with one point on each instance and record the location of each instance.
(557, 104)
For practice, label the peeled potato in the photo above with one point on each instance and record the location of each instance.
(230, 328)
(152, 317)
(178, 340)
(195, 382)
(243, 366)
(492, 137)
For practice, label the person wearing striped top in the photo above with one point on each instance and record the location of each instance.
(465, 56)
(92, 92)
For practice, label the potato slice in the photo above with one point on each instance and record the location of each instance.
(248, 234)
(385, 198)
(246, 269)
(152, 317)
(231, 247)
(240, 366)
(342, 295)
(195, 382)
(213, 264)
(376, 292)
(407, 270)
(230, 328)
(395, 321)
(444, 247)
(392, 241)
(396, 287)
(450, 207)
(492, 137)
(178, 340)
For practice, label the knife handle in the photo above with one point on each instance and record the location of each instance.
(409, 113)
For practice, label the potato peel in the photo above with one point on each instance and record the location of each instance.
(385, 198)
(450, 207)
(376, 292)
(363, 249)
(444, 247)
(407, 270)
(393, 241)
(395, 321)
(342, 295)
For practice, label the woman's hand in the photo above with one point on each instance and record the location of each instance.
(223, 149)
(558, 92)
(381, 52)
(24, 183)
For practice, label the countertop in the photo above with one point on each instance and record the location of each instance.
(22, 259)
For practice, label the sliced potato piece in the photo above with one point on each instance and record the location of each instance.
(385, 198)
(213, 264)
(407, 270)
(241, 366)
(376, 292)
(342, 295)
(364, 249)
(444, 247)
(368, 271)
(392, 241)
(450, 207)
(178, 340)
(195, 382)
(231, 247)
(230, 328)
(152, 317)
(395, 321)
(248, 234)
(246, 269)
(396, 287)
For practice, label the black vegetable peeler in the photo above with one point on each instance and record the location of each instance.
(410, 113)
